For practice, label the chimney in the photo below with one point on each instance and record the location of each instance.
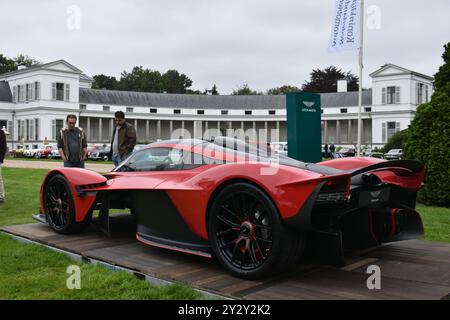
(342, 86)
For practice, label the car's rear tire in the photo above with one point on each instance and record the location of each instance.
(247, 235)
(59, 207)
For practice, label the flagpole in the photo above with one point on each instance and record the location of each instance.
(361, 66)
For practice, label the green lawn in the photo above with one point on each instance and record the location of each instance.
(34, 272)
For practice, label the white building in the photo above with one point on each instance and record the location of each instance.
(34, 103)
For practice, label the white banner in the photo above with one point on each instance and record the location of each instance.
(345, 30)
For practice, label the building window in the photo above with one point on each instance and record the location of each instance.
(176, 111)
(153, 110)
(391, 95)
(422, 93)
(272, 112)
(248, 112)
(28, 92)
(129, 109)
(344, 110)
(368, 109)
(58, 91)
(37, 90)
(321, 110)
(200, 111)
(107, 108)
(82, 107)
(57, 125)
(389, 129)
(224, 112)
(36, 129)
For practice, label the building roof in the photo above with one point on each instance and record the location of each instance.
(85, 77)
(5, 92)
(41, 66)
(189, 101)
(401, 70)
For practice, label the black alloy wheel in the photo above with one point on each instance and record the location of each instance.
(247, 235)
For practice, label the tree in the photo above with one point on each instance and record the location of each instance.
(23, 60)
(428, 139)
(102, 81)
(140, 79)
(326, 80)
(283, 90)
(396, 141)
(174, 82)
(7, 64)
(244, 90)
(214, 91)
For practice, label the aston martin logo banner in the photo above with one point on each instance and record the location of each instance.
(345, 31)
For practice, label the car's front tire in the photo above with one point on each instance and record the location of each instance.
(59, 207)
(247, 235)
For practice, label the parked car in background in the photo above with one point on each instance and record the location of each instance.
(31, 153)
(44, 152)
(347, 152)
(18, 152)
(54, 154)
(372, 153)
(279, 147)
(394, 154)
(101, 154)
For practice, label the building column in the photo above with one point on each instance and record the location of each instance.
(349, 131)
(111, 128)
(182, 127)
(338, 131)
(198, 132)
(242, 125)
(147, 130)
(100, 129)
(325, 132)
(158, 129)
(88, 133)
(136, 126)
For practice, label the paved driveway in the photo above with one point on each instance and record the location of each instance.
(98, 167)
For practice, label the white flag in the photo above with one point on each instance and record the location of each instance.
(345, 30)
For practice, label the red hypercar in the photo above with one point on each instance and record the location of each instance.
(252, 211)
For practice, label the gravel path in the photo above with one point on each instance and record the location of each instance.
(98, 167)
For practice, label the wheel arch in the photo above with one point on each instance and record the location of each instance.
(229, 182)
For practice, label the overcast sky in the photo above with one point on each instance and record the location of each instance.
(229, 42)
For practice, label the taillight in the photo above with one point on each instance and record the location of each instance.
(335, 190)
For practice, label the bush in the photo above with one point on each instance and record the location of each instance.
(428, 140)
(396, 141)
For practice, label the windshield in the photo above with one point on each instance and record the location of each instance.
(153, 159)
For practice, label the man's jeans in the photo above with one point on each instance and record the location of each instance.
(117, 158)
(74, 164)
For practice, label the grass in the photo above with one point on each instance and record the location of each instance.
(436, 221)
(34, 272)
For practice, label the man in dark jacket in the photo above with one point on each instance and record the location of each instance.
(123, 139)
(2, 157)
(72, 144)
